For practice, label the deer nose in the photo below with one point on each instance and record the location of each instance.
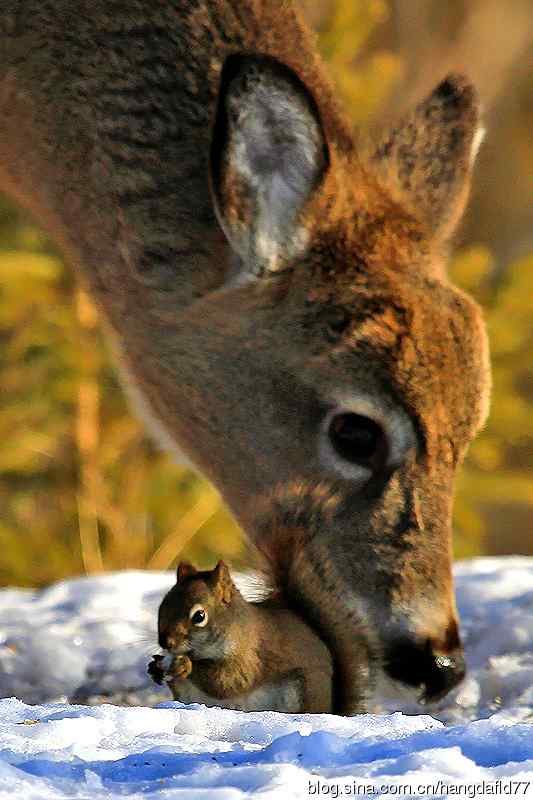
(421, 664)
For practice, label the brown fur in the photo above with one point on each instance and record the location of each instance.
(243, 646)
(113, 125)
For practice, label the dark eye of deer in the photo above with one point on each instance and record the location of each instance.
(358, 440)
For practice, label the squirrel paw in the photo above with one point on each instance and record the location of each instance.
(163, 669)
(181, 667)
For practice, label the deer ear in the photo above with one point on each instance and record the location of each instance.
(185, 570)
(222, 581)
(268, 155)
(429, 156)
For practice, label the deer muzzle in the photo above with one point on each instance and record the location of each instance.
(424, 664)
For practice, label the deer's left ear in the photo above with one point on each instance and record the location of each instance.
(429, 156)
(268, 155)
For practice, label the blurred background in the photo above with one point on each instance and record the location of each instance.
(81, 488)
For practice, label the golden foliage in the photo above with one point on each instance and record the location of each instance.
(497, 474)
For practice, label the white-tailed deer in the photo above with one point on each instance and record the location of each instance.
(277, 295)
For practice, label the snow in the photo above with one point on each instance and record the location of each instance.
(78, 719)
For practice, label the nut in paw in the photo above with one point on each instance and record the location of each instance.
(181, 667)
(156, 669)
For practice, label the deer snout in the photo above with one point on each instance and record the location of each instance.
(426, 665)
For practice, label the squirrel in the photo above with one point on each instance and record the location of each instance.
(224, 650)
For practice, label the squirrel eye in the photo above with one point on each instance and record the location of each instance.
(198, 616)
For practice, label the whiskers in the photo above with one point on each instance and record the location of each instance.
(144, 641)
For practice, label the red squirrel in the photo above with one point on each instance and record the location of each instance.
(224, 650)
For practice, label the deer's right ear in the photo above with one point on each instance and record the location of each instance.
(184, 570)
(429, 156)
(268, 155)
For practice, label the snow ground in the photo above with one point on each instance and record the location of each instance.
(88, 641)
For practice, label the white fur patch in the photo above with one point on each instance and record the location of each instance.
(283, 697)
(477, 141)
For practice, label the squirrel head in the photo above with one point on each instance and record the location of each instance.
(195, 615)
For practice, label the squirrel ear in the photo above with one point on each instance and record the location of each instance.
(223, 582)
(185, 570)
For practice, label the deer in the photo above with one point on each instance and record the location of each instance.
(275, 289)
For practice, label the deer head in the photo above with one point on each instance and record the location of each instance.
(346, 375)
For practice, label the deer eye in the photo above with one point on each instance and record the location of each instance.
(358, 440)
(198, 616)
